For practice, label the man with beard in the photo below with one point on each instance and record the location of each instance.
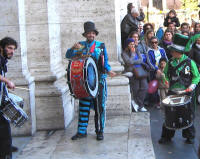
(95, 49)
(7, 49)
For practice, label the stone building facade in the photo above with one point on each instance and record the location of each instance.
(44, 30)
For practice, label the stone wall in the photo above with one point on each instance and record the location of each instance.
(74, 13)
(44, 31)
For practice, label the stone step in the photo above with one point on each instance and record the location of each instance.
(125, 137)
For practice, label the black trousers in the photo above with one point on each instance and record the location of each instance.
(186, 133)
(5, 139)
(99, 107)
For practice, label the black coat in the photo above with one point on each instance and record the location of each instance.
(174, 19)
(5, 131)
(194, 54)
(164, 46)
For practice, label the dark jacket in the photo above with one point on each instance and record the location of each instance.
(194, 54)
(129, 23)
(174, 19)
(164, 45)
(5, 131)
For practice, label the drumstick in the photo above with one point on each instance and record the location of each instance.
(22, 88)
(127, 74)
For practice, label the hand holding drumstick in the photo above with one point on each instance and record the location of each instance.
(9, 83)
(77, 46)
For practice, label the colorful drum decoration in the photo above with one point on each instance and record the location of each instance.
(82, 76)
(178, 112)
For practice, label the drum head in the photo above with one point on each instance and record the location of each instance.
(91, 77)
(176, 100)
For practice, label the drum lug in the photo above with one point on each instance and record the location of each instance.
(174, 124)
(172, 109)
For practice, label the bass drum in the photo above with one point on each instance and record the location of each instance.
(82, 76)
(178, 112)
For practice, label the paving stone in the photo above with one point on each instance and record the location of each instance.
(125, 137)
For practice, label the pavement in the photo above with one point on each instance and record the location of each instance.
(177, 149)
(125, 137)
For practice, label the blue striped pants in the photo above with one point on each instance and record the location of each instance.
(98, 104)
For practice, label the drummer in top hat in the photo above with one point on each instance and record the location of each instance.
(182, 74)
(97, 50)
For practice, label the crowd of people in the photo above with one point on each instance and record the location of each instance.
(167, 58)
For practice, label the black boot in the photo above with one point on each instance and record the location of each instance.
(100, 136)
(14, 149)
(78, 136)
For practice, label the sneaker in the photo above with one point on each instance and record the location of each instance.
(135, 107)
(14, 149)
(128, 74)
(164, 140)
(143, 109)
(78, 136)
(189, 141)
(100, 136)
(158, 105)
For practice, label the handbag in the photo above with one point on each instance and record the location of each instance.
(140, 72)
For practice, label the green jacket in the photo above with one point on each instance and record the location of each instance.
(194, 71)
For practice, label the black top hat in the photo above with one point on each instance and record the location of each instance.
(179, 42)
(89, 26)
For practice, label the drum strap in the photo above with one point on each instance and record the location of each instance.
(92, 47)
(2, 88)
(182, 78)
(180, 64)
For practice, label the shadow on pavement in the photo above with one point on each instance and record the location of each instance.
(177, 149)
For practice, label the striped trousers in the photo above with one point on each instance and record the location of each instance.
(98, 104)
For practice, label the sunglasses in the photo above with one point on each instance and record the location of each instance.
(154, 42)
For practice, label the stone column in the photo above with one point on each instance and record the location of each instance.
(164, 5)
(150, 4)
(13, 24)
(44, 60)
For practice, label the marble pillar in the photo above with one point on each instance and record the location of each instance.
(54, 105)
(13, 25)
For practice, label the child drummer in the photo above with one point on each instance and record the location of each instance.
(95, 49)
(182, 74)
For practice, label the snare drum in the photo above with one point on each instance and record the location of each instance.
(178, 113)
(16, 99)
(13, 112)
(82, 76)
